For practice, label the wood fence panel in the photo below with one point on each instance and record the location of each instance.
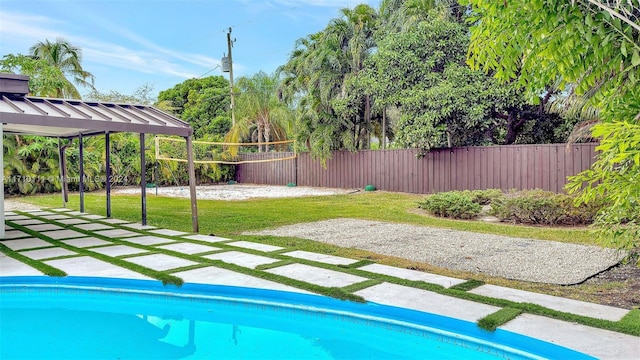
(516, 166)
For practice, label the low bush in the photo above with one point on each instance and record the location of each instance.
(529, 207)
(543, 208)
(484, 197)
(453, 204)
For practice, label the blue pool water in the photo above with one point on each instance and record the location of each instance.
(89, 318)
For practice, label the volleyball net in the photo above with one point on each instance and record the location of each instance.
(206, 152)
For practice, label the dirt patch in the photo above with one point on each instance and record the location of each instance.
(620, 286)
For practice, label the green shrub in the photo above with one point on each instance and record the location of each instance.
(484, 197)
(544, 208)
(529, 207)
(453, 204)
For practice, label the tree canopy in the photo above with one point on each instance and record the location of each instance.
(595, 48)
(203, 103)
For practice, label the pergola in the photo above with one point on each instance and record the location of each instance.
(66, 119)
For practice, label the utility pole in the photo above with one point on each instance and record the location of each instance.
(230, 60)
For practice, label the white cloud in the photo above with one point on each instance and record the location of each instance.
(18, 31)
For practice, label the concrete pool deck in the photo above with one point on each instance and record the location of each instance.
(91, 245)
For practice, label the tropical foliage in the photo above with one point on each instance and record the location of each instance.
(203, 103)
(66, 57)
(261, 116)
(595, 47)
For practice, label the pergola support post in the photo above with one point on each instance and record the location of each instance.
(81, 180)
(61, 165)
(107, 160)
(143, 181)
(2, 196)
(192, 185)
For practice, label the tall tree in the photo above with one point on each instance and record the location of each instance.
(68, 58)
(261, 115)
(596, 46)
(203, 103)
(320, 70)
(44, 79)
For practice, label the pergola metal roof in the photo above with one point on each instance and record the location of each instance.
(65, 118)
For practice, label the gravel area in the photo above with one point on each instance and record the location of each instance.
(12, 204)
(513, 258)
(237, 191)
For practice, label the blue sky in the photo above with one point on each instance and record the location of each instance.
(127, 43)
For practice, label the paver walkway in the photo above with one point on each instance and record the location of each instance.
(81, 244)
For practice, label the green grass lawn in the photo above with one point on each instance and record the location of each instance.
(230, 218)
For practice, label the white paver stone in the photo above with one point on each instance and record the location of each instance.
(47, 253)
(21, 244)
(600, 343)
(139, 226)
(427, 301)
(241, 259)
(86, 242)
(12, 267)
(323, 258)
(28, 222)
(61, 209)
(77, 213)
(93, 226)
(38, 212)
(44, 227)
(118, 250)
(255, 246)
(115, 221)
(14, 234)
(553, 302)
(72, 221)
(88, 266)
(117, 233)
(9, 213)
(188, 248)
(207, 238)
(217, 276)
(16, 217)
(168, 232)
(160, 262)
(93, 217)
(148, 240)
(63, 234)
(413, 275)
(315, 275)
(55, 217)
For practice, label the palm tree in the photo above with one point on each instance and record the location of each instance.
(68, 58)
(261, 115)
(322, 70)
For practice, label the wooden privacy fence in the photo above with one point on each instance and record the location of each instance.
(483, 167)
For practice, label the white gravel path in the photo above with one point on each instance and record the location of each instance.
(512, 258)
(13, 204)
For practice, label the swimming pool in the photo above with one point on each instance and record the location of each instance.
(81, 318)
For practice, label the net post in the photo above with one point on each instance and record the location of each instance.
(192, 185)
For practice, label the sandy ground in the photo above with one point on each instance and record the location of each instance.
(238, 192)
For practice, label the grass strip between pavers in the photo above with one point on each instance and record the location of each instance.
(468, 285)
(498, 318)
(628, 325)
(38, 265)
(274, 265)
